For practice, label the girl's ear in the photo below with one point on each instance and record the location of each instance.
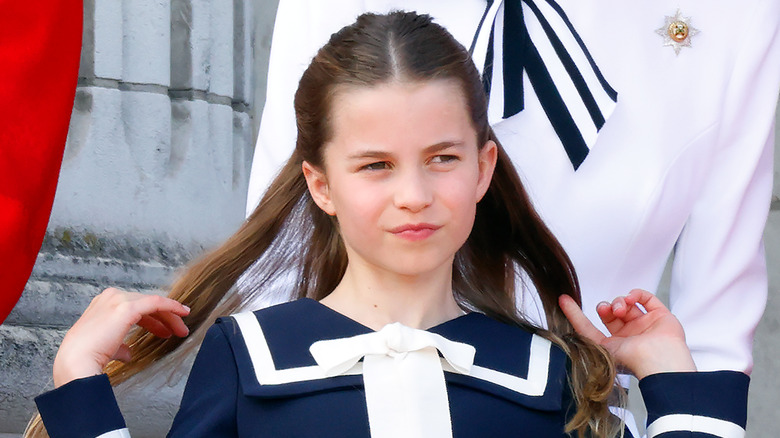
(488, 156)
(318, 187)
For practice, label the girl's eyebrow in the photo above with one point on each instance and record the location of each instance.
(368, 153)
(442, 146)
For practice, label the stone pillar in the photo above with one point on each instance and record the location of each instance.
(155, 171)
(765, 387)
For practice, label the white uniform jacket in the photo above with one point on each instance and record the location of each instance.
(684, 162)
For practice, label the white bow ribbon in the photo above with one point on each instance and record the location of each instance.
(406, 394)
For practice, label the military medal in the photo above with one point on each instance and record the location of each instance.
(677, 31)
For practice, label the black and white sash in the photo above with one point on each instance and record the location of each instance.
(539, 40)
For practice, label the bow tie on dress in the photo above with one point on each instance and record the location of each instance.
(406, 394)
(539, 40)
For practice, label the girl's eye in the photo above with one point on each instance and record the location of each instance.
(441, 159)
(379, 165)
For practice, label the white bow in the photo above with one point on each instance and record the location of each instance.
(406, 394)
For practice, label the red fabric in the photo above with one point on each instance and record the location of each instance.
(40, 42)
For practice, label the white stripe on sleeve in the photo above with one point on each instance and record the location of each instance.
(695, 423)
(119, 433)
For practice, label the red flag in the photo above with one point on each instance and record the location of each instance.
(40, 42)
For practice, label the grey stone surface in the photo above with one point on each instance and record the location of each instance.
(107, 37)
(776, 191)
(138, 162)
(181, 49)
(765, 387)
(26, 354)
(243, 20)
(147, 41)
(87, 61)
(146, 123)
(220, 59)
(242, 156)
(52, 304)
(200, 43)
(264, 17)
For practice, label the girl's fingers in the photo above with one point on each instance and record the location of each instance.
(619, 307)
(123, 354)
(578, 320)
(608, 317)
(173, 323)
(633, 312)
(160, 315)
(149, 304)
(623, 309)
(155, 327)
(98, 336)
(606, 313)
(649, 301)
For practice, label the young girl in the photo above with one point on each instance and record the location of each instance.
(407, 231)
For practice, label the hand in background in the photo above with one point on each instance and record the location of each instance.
(645, 337)
(98, 336)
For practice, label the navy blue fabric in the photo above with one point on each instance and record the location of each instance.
(491, 340)
(223, 398)
(515, 48)
(210, 401)
(83, 408)
(289, 335)
(717, 394)
(506, 349)
(336, 407)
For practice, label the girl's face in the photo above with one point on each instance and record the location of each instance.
(403, 174)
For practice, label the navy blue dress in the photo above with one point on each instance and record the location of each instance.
(224, 396)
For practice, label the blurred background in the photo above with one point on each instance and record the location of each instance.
(155, 171)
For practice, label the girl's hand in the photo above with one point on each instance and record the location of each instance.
(645, 341)
(98, 336)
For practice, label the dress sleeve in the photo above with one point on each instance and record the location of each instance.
(208, 406)
(719, 272)
(87, 408)
(82, 408)
(701, 404)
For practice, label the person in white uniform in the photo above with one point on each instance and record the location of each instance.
(677, 131)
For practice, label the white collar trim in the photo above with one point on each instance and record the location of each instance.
(267, 373)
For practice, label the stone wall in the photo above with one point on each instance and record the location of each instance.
(765, 387)
(161, 133)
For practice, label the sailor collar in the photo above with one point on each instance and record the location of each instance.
(272, 351)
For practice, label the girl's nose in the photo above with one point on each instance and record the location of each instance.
(413, 191)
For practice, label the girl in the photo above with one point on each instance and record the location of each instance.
(407, 231)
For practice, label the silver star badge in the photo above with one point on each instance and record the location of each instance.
(677, 31)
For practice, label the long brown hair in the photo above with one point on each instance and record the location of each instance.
(289, 241)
